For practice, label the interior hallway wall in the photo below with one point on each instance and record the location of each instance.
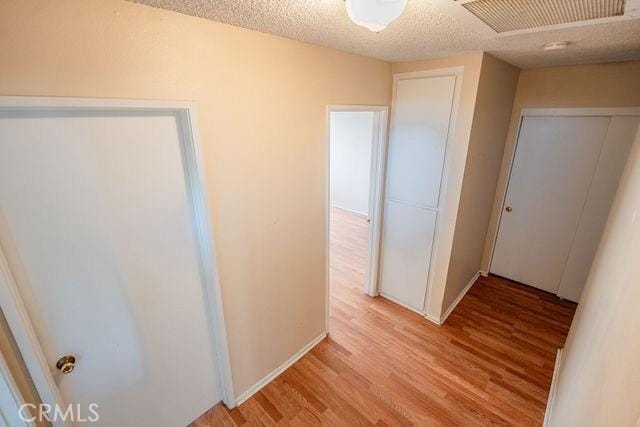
(596, 85)
(599, 378)
(350, 164)
(261, 104)
(496, 90)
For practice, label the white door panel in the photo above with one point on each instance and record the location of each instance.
(617, 144)
(417, 147)
(408, 243)
(96, 225)
(418, 139)
(553, 167)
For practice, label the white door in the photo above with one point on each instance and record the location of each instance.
(95, 223)
(552, 180)
(417, 147)
(615, 151)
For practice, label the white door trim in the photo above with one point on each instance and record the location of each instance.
(587, 111)
(550, 112)
(13, 402)
(10, 300)
(376, 189)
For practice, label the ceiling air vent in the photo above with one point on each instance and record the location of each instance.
(515, 15)
(507, 17)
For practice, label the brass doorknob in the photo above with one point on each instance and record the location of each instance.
(66, 364)
(508, 209)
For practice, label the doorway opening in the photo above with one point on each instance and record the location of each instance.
(355, 169)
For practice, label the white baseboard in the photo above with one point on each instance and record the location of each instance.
(484, 273)
(397, 301)
(280, 369)
(433, 319)
(400, 303)
(552, 390)
(453, 305)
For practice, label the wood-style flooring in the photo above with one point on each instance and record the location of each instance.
(490, 363)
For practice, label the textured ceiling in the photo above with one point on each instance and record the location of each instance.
(423, 31)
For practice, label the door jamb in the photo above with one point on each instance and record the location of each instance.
(548, 112)
(14, 401)
(10, 299)
(376, 190)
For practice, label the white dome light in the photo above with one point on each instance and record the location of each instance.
(375, 14)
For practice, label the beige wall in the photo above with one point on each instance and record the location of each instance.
(471, 63)
(599, 378)
(261, 102)
(494, 101)
(598, 85)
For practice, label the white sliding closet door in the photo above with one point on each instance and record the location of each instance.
(614, 153)
(564, 176)
(421, 115)
(552, 170)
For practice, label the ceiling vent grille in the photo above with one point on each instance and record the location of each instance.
(514, 15)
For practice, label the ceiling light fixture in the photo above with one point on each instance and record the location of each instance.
(375, 15)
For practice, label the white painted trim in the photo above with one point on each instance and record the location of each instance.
(438, 72)
(10, 299)
(586, 111)
(279, 370)
(196, 184)
(432, 319)
(376, 191)
(549, 112)
(401, 303)
(376, 201)
(11, 403)
(458, 72)
(413, 204)
(455, 302)
(552, 390)
(484, 273)
(16, 314)
(351, 211)
(504, 196)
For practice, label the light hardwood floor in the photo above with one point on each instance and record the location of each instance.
(491, 363)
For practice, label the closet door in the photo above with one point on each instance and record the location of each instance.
(555, 161)
(417, 145)
(617, 145)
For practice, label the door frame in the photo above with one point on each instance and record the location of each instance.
(10, 300)
(548, 112)
(12, 400)
(376, 191)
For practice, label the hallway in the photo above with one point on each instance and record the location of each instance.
(491, 363)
